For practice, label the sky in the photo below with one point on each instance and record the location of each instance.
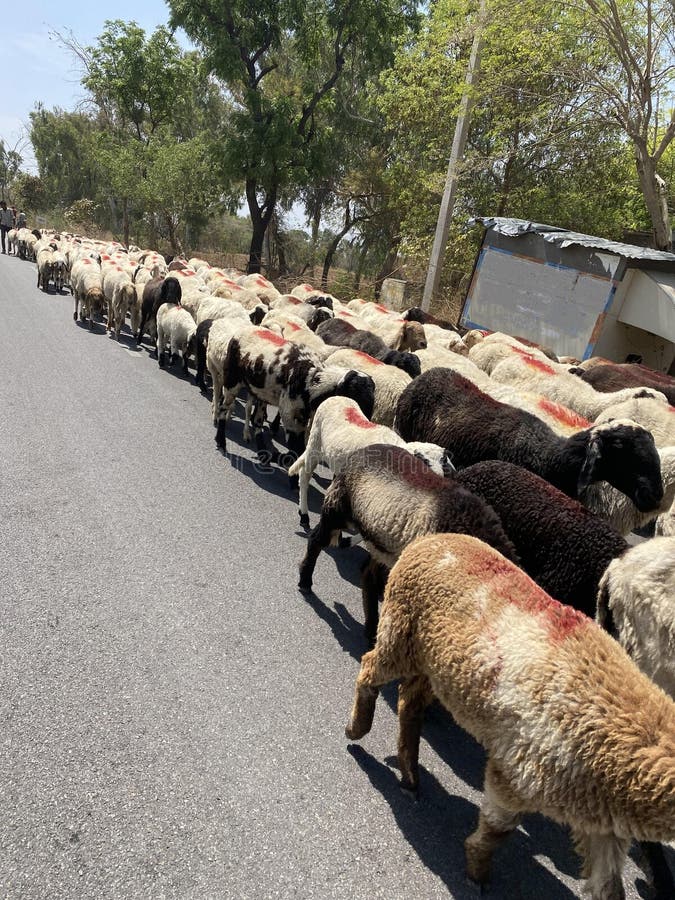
(37, 68)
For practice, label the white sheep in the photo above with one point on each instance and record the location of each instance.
(339, 429)
(390, 381)
(531, 374)
(220, 307)
(86, 280)
(175, 326)
(120, 292)
(295, 329)
(655, 416)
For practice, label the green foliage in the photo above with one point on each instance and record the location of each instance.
(81, 215)
(29, 193)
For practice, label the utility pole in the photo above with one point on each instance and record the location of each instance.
(456, 154)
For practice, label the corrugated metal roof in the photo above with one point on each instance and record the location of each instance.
(563, 238)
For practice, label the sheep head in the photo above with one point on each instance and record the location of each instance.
(623, 454)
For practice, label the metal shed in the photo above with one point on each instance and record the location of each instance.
(577, 294)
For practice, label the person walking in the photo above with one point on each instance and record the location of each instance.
(6, 223)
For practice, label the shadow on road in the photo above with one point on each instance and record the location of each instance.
(436, 826)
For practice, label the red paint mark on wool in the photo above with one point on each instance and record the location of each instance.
(368, 358)
(261, 282)
(563, 414)
(537, 364)
(520, 591)
(308, 287)
(293, 327)
(294, 301)
(271, 337)
(354, 417)
(381, 308)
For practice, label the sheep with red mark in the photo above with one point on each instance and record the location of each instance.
(296, 329)
(278, 372)
(391, 497)
(448, 409)
(572, 728)
(339, 429)
(261, 287)
(342, 333)
(220, 307)
(390, 381)
(532, 374)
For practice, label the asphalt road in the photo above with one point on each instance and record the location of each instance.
(172, 709)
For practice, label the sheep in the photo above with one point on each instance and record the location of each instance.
(571, 727)
(443, 338)
(212, 342)
(341, 333)
(219, 307)
(444, 407)
(522, 370)
(497, 347)
(561, 545)
(615, 376)
(120, 292)
(261, 287)
(305, 311)
(156, 292)
(45, 265)
(392, 497)
(339, 428)
(417, 314)
(390, 381)
(562, 420)
(397, 332)
(176, 326)
(86, 281)
(279, 372)
(295, 329)
(59, 270)
(652, 414)
(636, 606)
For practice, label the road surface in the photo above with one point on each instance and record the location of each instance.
(173, 709)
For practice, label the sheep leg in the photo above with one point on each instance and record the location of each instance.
(495, 823)
(414, 695)
(333, 519)
(247, 418)
(604, 857)
(377, 668)
(77, 303)
(373, 581)
(662, 877)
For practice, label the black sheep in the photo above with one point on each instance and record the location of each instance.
(155, 292)
(445, 408)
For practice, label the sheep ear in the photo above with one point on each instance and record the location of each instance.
(588, 469)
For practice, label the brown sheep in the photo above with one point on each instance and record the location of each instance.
(572, 728)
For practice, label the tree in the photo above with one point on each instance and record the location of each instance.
(633, 84)
(64, 151)
(10, 163)
(152, 101)
(281, 62)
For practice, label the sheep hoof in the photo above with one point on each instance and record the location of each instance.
(305, 585)
(304, 520)
(477, 861)
(354, 733)
(410, 790)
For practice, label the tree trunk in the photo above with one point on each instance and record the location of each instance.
(655, 193)
(176, 248)
(125, 220)
(260, 219)
(360, 264)
(387, 267)
(332, 247)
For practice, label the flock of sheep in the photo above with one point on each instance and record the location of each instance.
(493, 486)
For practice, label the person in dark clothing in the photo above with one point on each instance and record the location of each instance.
(6, 224)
